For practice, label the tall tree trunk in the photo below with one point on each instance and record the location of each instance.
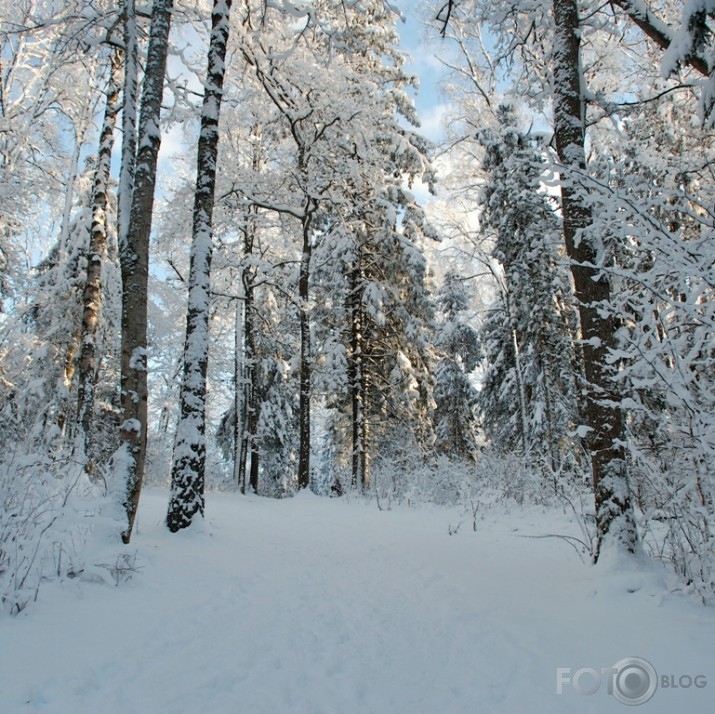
(246, 444)
(189, 460)
(352, 374)
(600, 408)
(130, 101)
(96, 257)
(255, 459)
(356, 380)
(304, 424)
(249, 448)
(247, 384)
(365, 462)
(251, 393)
(519, 373)
(134, 254)
(239, 462)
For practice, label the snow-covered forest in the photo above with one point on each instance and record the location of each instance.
(230, 260)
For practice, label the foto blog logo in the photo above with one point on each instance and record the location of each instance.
(631, 681)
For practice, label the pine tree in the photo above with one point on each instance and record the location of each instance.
(350, 155)
(528, 397)
(374, 274)
(455, 395)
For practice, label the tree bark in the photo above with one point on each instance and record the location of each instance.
(304, 422)
(357, 381)
(600, 406)
(129, 122)
(189, 460)
(250, 390)
(96, 257)
(134, 258)
(250, 450)
(239, 460)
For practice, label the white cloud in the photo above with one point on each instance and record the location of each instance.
(433, 120)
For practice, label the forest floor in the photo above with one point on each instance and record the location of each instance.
(314, 605)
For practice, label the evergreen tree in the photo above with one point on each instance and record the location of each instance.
(454, 394)
(529, 388)
(552, 62)
(346, 193)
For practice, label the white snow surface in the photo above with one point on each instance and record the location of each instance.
(315, 605)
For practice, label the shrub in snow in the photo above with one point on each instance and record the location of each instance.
(677, 520)
(47, 512)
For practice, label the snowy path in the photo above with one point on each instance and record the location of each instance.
(321, 606)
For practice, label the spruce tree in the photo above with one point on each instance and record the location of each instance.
(455, 395)
(529, 388)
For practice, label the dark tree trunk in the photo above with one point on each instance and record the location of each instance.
(129, 122)
(305, 354)
(364, 432)
(600, 407)
(246, 402)
(249, 449)
(96, 257)
(239, 457)
(252, 407)
(356, 379)
(189, 460)
(255, 464)
(135, 267)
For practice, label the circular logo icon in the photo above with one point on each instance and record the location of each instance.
(635, 681)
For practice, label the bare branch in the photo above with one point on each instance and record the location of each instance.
(444, 15)
(657, 30)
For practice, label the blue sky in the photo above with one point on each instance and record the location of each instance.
(422, 47)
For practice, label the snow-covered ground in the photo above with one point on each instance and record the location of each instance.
(325, 605)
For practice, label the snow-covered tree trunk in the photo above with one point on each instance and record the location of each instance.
(365, 472)
(129, 120)
(356, 378)
(96, 256)
(600, 408)
(246, 404)
(189, 460)
(251, 409)
(304, 423)
(134, 255)
(239, 471)
(252, 406)
(518, 371)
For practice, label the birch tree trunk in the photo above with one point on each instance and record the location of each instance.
(134, 257)
(601, 412)
(189, 460)
(96, 257)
